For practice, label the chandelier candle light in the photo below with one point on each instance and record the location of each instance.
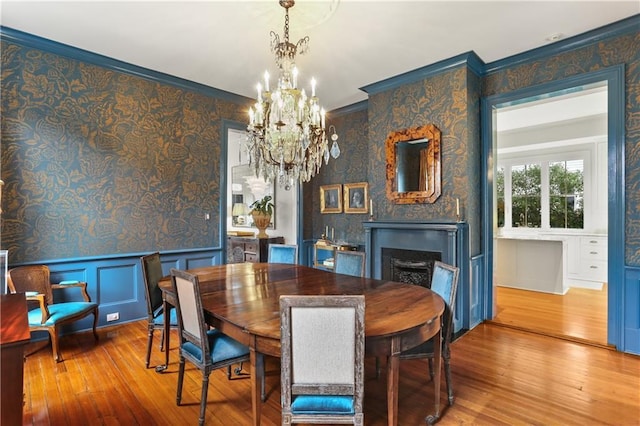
(286, 133)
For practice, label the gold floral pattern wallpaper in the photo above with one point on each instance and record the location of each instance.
(349, 167)
(624, 49)
(451, 101)
(100, 162)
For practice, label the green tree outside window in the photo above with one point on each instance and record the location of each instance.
(566, 193)
(526, 196)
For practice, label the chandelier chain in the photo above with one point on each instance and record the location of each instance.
(286, 26)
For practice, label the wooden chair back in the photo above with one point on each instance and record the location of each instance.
(152, 273)
(444, 281)
(191, 321)
(283, 253)
(322, 359)
(31, 278)
(349, 263)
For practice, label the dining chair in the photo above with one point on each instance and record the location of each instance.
(322, 359)
(349, 262)
(208, 349)
(49, 316)
(283, 253)
(444, 282)
(152, 273)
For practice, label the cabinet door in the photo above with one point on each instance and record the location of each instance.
(235, 251)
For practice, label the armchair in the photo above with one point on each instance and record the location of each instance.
(34, 281)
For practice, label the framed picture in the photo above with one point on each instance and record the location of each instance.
(356, 197)
(331, 199)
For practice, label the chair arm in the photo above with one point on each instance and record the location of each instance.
(43, 306)
(81, 284)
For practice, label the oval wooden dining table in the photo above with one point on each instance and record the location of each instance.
(242, 300)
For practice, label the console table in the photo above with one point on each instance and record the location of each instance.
(324, 253)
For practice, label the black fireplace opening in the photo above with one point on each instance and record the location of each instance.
(409, 266)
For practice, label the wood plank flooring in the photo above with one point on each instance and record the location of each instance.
(501, 376)
(580, 314)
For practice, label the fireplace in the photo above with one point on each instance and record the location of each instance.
(406, 251)
(409, 266)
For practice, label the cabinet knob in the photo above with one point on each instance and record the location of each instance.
(593, 252)
(593, 267)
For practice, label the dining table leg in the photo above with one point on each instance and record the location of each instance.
(437, 367)
(393, 373)
(257, 372)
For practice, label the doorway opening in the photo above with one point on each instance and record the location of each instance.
(551, 213)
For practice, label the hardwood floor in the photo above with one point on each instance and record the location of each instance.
(580, 314)
(501, 376)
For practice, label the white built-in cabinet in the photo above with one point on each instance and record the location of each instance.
(551, 262)
(587, 261)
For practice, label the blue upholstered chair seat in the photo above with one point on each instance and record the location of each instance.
(222, 347)
(322, 404)
(60, 312)
(158, 319)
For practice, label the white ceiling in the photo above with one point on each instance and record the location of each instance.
(226, 44)
(589, 102)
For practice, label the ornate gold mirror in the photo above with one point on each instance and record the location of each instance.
(413, 165)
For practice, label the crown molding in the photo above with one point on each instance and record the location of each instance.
(470, 59)
(616, 29)
(32, 41)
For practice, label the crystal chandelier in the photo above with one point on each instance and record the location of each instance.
(286, 133)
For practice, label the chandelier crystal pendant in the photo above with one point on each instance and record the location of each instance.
(286, 133)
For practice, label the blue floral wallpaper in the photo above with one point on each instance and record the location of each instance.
(349, 167)
(620, 50)
(449, 100)
(100, 162)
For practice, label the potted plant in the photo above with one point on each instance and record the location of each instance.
(261, 211)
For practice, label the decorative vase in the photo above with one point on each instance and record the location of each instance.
(261, 221)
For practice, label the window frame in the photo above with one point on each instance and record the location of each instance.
(522, 158)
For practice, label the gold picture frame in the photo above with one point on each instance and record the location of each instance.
(356, 197)
(331, 198)
(414, 173)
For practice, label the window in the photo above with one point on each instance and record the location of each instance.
(500, 195)
(547, 193)
(566, 194)
(525, 196)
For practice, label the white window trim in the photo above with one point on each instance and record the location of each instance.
(511, 159)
